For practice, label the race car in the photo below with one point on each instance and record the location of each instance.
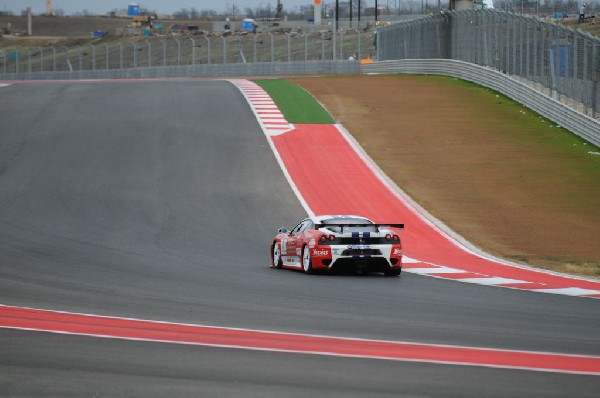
(343, 243)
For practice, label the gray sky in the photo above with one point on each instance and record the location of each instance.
(161, 6)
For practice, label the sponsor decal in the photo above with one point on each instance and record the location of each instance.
(298, 251)
(284, 245)
(320, 252)
(312, 243)
(336, 252)
(397, 252)
(359, 246)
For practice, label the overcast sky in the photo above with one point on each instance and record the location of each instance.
(161, 6)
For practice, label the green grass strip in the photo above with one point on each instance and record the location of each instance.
(298, 106)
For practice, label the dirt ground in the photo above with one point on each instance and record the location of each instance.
(478, 162)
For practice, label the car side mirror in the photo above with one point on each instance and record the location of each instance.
(282, 230)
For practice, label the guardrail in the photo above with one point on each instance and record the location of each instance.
(552, 109)
(203, 70)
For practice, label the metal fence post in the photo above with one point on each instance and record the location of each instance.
(585, 76)
(322, 46)
(67, 59)
(93, 57)
(254, 46)
(208, 48)
(289, 46)
(106, 55)
(148, 53)
(305, 47)
(359, 50)
(224, 49)
(41, 60)
(193, 51)
(240, 49)
(120, 56)
(178, 52)
(272, 47)
(53, 59)
(134, 55)
(595, 72)
(164, 44)
(79, 57)
(29, 60)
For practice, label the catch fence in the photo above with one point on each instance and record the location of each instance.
(561, 62)
(168, 51)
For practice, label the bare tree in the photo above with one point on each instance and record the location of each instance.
(231, 11)
(184, 13)
(208, 14)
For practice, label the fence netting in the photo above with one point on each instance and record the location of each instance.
(559, 61)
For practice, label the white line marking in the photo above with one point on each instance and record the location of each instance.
(408, 260)
(569, 291)
(5, 85)
(437, 270)
(491, 281)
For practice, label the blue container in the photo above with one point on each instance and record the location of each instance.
(248, 24)
(99, 33)
(133, 10)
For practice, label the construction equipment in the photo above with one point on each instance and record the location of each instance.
(49, 11)
(146, 21)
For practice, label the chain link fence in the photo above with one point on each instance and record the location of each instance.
(144, 52)
(560, 62)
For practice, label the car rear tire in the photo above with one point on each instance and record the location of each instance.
(393, 272)
(276, 252)
(307, 260)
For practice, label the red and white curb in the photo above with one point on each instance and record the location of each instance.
(439, 271)
(430, 249)
(31, 319)
(268, 114)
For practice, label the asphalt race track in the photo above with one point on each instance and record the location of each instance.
(158, 200)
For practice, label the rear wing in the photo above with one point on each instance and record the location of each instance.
(342, 226)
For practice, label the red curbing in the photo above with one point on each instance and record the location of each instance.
(144, 330)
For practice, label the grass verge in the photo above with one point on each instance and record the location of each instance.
(295, 103)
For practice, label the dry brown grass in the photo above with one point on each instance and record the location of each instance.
(507, 180)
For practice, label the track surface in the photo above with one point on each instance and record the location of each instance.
(157, 200)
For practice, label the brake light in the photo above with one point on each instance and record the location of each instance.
(392, 237)
(325, 238)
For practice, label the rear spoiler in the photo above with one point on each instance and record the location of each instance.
(342, 226)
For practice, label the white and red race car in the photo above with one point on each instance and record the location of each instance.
(342, 243)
